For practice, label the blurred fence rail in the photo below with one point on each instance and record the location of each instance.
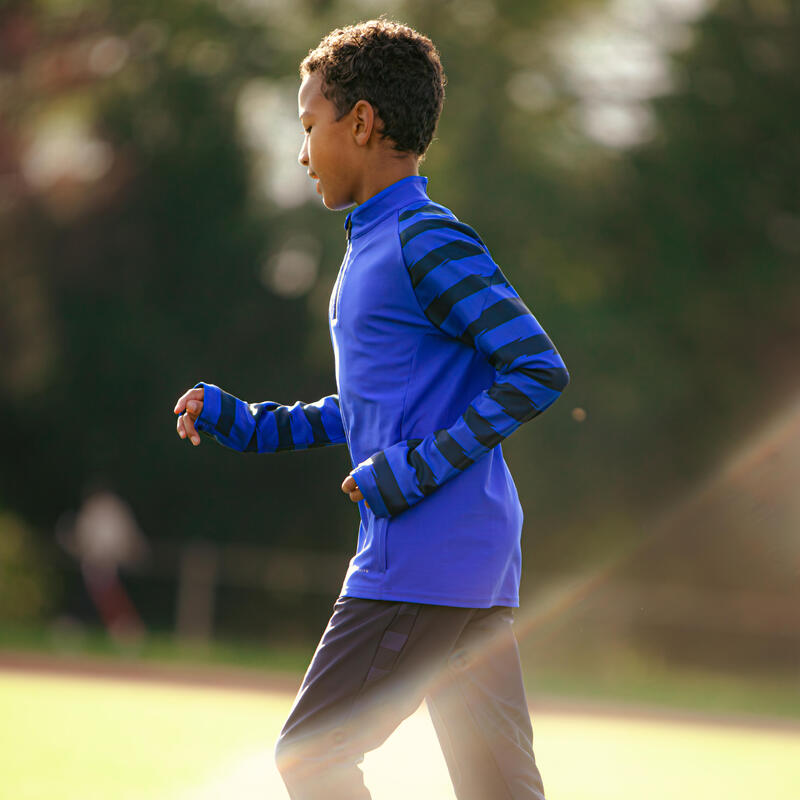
(697, 608)
(192, 577)
(293, 589)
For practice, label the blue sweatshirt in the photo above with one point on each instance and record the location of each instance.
(437, 361)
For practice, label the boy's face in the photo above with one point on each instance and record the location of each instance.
(328, 147)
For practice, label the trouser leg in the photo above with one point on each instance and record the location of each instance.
(480, 714)
(371, 670)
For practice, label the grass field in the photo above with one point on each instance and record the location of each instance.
(65, 738)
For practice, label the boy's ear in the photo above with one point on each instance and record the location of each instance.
(364, 121)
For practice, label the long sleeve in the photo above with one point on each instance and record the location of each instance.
(269, 427)
(466, 296)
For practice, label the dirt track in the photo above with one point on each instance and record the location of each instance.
(219, 677)
(242, 679)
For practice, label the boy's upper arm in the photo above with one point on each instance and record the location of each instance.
(466, 295)
(446, 261)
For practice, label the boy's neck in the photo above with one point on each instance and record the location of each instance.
(383, 174)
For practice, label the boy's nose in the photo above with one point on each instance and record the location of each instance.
(302, 156)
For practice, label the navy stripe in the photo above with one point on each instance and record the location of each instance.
(285, 438)
(452, 450)
(452, 251)
(387, 485)
(481, 429)
(425, 477)
(508, 353)
(438, 310)
(227, 414)
(555, 378)
(252, 445)
(423, 225)
(428, 208)
(513, 401)
(314, 417)
(494, 316)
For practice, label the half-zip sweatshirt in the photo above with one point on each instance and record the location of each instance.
(437, 361)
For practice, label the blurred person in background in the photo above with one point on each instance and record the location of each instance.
(104, 537)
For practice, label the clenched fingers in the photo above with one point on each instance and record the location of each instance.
(350, 487)
(195, 395)
(181, 425)
(186, 428)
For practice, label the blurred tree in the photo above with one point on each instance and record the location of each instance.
(145, 272)
(695, 238)
(155, 231)
(27, 585)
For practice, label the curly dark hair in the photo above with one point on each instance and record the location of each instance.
(392, 67)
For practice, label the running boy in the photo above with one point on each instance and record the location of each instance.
(437, 361)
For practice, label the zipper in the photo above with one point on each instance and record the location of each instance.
(348, 226)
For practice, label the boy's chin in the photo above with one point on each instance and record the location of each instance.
(336, 203)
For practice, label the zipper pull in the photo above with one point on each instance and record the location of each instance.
(347, 226)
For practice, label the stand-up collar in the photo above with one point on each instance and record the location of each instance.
(399, 194)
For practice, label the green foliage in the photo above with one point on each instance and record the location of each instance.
(26, 583)
(665, 273)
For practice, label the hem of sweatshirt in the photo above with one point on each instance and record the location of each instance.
(432, 599)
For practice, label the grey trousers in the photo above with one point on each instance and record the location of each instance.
(374, 665)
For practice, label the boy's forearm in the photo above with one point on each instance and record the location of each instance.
(394, 479)
(269, 427)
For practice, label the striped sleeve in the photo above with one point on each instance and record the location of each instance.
(269, 427)
(464, 294)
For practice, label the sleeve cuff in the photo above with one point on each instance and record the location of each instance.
(212, 406)
(364, 476)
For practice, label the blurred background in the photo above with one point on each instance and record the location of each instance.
(634, 167)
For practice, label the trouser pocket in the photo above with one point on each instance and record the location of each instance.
(393, 641)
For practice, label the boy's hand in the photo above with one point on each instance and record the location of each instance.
(192, 404)
(349, 486)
